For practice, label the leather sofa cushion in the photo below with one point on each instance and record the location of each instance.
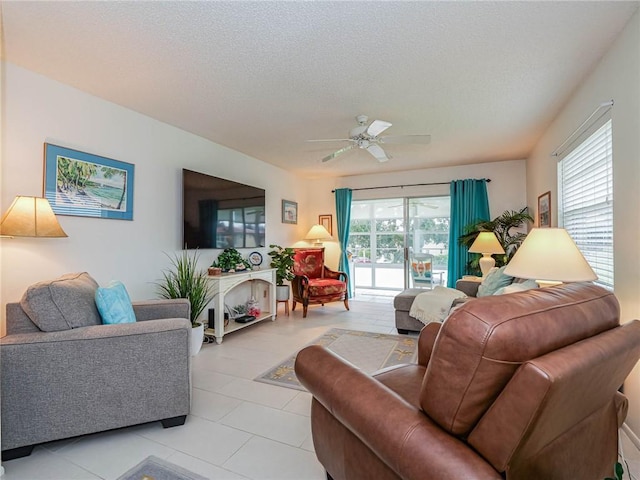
(62, 304)
(482, 343)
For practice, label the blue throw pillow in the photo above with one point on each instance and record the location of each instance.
(114, 304)
(494, 280)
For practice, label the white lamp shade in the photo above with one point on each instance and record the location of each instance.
(30, 217)
(486, 242)
(550, 254)
(318, 232)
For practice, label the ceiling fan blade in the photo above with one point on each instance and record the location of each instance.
(338, 152)
(406, 139)
(377, 127)
(378, 152)
(331, 140)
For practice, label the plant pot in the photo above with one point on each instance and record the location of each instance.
(197, 337)
(282, 293)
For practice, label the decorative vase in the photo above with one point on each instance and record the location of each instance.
(197, 337)
(282, 293)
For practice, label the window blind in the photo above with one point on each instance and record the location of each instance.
(585, 205)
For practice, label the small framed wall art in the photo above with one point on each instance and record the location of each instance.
(87, 185)
(544, 210)
(325, 221)
(289, 212)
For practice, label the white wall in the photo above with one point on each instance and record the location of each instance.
(38, 110)
(616, 77)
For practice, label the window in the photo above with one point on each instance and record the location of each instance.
(585, 202)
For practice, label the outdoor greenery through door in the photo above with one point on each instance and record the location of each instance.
(386, 234)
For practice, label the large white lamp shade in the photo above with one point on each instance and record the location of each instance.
(318, 233)
(30, 217)
(550, 254)
(487, 244)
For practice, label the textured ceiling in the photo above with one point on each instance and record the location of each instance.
(482, 78)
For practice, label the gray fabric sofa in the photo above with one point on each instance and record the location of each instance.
(61, 384)
(402, 304)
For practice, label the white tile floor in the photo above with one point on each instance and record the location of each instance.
(238, 428)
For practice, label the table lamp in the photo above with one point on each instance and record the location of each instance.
(318, 233)
(487, 244)
(550, 256)
(30, 217)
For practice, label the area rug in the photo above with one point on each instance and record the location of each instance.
(366, 350)
(154, 468)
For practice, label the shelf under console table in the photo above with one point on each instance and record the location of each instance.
(221, 285)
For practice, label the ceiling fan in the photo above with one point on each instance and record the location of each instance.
(367, 137)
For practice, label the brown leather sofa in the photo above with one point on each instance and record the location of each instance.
(521, 388)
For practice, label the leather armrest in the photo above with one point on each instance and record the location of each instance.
(426, 341)
(402, 436)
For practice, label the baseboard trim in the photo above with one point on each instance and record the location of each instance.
(631, 435)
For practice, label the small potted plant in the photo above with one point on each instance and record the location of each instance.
(185, 280)
(230, 260)
(282, 261)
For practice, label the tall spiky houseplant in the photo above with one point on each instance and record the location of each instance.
(185, 280)
(501, 226)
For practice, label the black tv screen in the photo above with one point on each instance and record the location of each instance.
(219, 213)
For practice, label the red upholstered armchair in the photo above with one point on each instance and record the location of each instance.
(314, 282)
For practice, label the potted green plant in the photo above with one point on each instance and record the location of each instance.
(185, 280)
(501, 226)
(282, 261)
(230, 260)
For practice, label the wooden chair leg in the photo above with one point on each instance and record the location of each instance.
(346, 303)
(293, 305)
(304, 311)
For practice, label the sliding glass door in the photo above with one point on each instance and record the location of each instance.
(392, 238)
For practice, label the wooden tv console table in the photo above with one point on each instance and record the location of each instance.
(223, 284)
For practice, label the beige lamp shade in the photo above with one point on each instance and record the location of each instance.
(487, 244)
(318, 233)
(30, 217)
(550, 254)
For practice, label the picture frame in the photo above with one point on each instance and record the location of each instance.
(289, 212)
(86, 185)
(544, 210)
(327, 222)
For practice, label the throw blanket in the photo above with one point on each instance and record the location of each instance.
(434, 305)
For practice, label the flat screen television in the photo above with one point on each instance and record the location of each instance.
(219, 213)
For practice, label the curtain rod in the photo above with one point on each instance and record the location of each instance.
(556, 152)
(410, 185)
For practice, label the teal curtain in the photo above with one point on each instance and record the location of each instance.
(469, 204)
(343, 220)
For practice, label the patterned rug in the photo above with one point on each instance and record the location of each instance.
(154, 468)
(366, 350)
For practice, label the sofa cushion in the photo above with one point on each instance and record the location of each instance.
(309, 262)
(62, 304)
(114, 304)
(320, 287)
(494, 280)
(404, 300)
(482, 344)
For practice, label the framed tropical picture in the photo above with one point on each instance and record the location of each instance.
(544, 210)
(289, 211)
(82, 184)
